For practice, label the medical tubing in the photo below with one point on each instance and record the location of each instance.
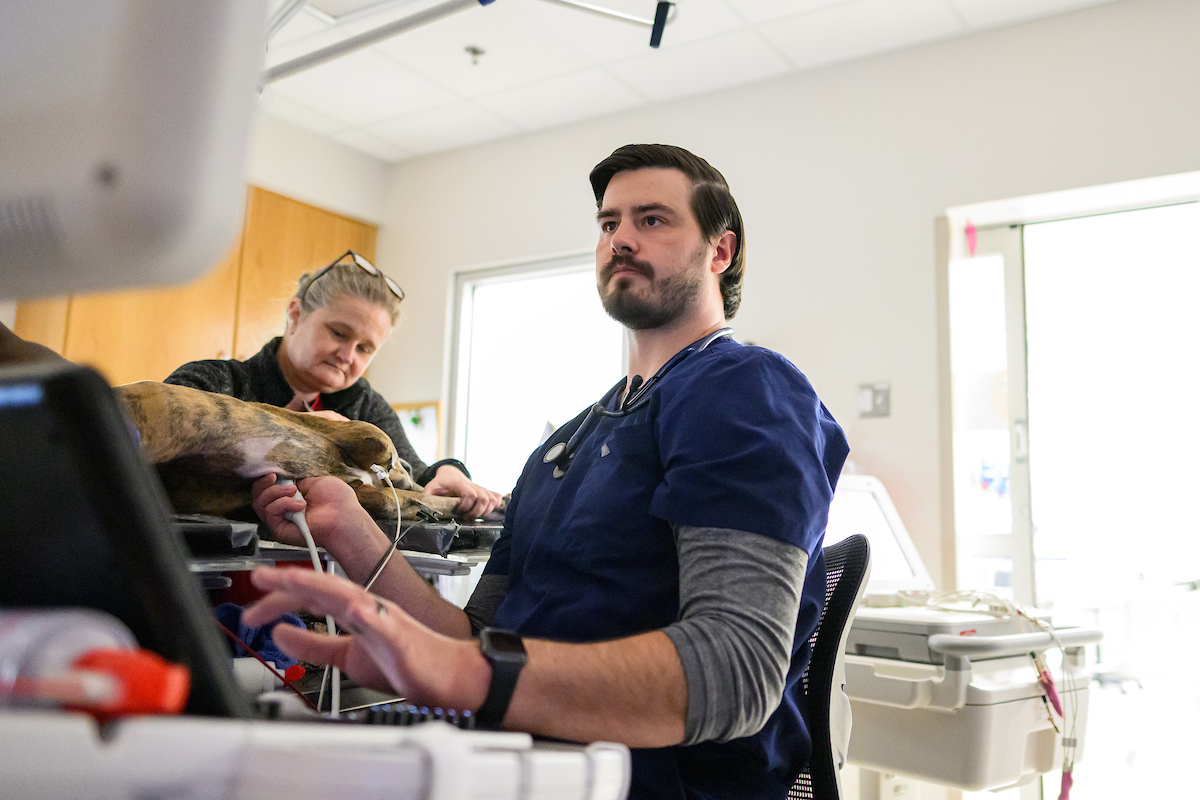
(298, 518)
(383, 562)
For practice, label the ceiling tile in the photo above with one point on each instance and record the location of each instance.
(302, 35)
(443, 128)
(545, 64)
(606, 39)
(704, 66)
(517, 50)
(757, 11)
(362, 88)
(299, 113)
(372, 145)
(300, 26)
(561, 100)
(987, 13)
(860, 28)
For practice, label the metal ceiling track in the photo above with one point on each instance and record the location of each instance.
(619, 15)
(338, 49)
(664, 15)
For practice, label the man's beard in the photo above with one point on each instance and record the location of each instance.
(675, 295)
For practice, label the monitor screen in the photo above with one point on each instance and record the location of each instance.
(861, 505)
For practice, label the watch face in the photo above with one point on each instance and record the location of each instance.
(502, 642)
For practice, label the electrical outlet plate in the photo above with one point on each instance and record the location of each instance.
(875, 399)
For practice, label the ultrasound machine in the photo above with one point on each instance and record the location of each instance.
(943, 686)
(124, 128)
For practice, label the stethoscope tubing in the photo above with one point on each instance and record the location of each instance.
(562, 453)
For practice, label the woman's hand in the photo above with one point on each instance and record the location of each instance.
(327, 414)
(474, 500)
(329, 504)
(388, 649)
(298, 403)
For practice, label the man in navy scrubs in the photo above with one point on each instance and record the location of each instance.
(660, 571)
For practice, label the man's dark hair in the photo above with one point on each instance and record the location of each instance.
(712, 202)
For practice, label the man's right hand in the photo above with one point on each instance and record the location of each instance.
(329, 505)
(340, 525)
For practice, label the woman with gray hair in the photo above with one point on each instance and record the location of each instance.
(336, 322)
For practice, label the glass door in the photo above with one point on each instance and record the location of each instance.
(1075, 378)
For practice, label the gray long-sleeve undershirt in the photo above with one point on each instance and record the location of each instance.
(739, 594)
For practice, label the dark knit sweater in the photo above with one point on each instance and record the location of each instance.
(259, 379)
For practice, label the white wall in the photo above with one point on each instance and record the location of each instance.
(840, 174)
(302, 165)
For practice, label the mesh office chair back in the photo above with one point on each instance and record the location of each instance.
(847, 565)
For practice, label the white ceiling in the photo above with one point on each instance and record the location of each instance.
(545, 64)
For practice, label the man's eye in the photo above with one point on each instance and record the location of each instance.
(652, 221)
(608, 226)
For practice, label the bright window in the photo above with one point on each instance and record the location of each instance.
(533, 349)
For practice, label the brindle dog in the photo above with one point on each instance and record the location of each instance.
(208, 449)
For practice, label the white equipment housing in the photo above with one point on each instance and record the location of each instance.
(124, 128)
(948, 697)
(61, 756)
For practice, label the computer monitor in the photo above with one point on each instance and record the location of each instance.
(84, 522)
(861, 505)
(124, 131)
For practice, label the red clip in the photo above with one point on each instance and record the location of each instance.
(1068, 781)
(148, 683)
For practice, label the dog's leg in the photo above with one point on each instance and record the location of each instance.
(380, 503)
(362, 445)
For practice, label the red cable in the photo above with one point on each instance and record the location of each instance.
(264, 662)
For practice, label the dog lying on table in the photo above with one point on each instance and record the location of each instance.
(208, 448)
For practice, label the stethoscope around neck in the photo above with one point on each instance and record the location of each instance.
(561, 454)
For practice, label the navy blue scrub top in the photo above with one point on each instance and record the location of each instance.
(732, 437)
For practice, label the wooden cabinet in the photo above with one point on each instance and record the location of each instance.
(232, 311)
(144, 335)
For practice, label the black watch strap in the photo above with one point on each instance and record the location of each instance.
(505, 651)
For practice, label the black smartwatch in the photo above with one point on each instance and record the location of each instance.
(505, 651)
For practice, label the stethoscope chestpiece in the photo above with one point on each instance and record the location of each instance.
(554, 454)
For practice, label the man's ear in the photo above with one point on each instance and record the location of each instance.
(725, 245)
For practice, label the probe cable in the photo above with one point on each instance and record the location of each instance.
(298, 518)
(422, 514)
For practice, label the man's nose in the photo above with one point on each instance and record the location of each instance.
(623, 239)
